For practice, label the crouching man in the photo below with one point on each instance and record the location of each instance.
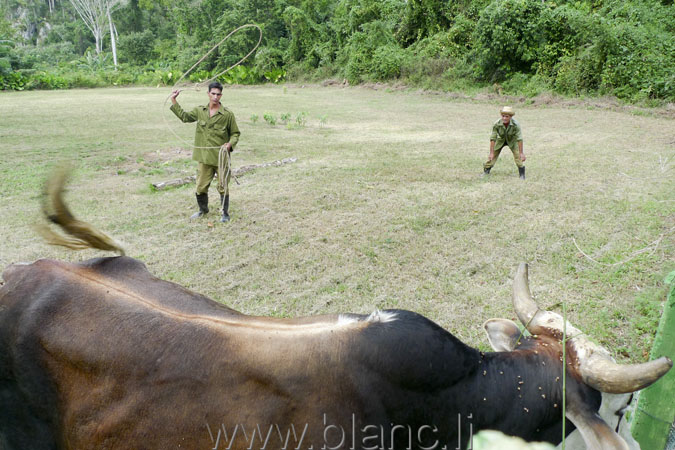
(506, 132)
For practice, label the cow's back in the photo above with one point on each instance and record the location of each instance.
(112, 357)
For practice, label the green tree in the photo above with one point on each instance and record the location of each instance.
(425, 18)
(137, 48)
(507, 38)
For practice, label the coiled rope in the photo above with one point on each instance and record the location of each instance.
(224, 169)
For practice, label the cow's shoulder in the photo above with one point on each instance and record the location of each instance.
(415, 351)
(117, 266)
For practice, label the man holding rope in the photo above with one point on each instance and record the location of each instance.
(215, 138)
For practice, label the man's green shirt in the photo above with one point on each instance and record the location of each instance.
(511, 135)
(211, 132)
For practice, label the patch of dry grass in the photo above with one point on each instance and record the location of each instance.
(384, 208)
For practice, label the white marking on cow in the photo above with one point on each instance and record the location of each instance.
(381, 316)
(346, 320)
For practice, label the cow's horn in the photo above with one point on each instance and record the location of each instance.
(605, 375)
(536, 320)
(596, 367)
(525, 307)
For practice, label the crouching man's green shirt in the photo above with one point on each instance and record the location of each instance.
(211, 132)
(510, 135)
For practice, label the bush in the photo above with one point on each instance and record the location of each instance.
(386, 62)
(275, 75)
(640, 65)
(424, 18)
(268, 58)
(632, 61)
(305, 34)
(13, 81)
(434, 55)
(84, 80)
(359, 52)
(241, 75)
(507, 38)
(117, 78)
(270, 118)
(46, 56)
(45, 80)
(200, 75)
(10, 78)
(566, 30)
(528, 85)
(137, 48)
(578, 74)
(165, 50)
(8, 57)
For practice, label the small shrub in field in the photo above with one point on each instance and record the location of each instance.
(322, 120)
(270, 118)
(286, 117)
(254, 118)
(301, 119)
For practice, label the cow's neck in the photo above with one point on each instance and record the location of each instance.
(503, 391)
(515, 382)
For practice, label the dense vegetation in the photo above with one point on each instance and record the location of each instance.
(624, 48)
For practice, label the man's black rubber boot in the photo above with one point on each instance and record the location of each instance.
(225, 203)
(203, 202)
(486, 172)
(521, 172)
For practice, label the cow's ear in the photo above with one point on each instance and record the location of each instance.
(503, 334)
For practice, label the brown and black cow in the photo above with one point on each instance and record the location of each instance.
(103, 355)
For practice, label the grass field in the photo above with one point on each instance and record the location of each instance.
(384, 208)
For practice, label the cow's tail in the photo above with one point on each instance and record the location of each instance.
(79, 235)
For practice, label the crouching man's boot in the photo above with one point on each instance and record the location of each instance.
(225, 203)
(521, 172)
(486, 172)
(203, 202)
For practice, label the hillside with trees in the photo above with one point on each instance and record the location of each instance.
(622, 48)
